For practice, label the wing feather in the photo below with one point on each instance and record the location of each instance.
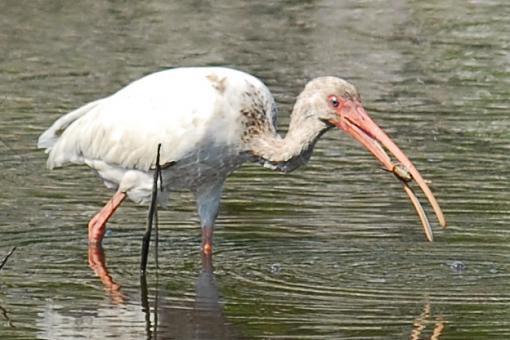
(183, 109)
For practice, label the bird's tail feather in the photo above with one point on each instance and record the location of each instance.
(49, 137)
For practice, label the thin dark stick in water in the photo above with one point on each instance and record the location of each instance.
(6, 317)
(144, 292)
(150, 217)
(4, 261)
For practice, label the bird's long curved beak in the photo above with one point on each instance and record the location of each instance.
(353, 119)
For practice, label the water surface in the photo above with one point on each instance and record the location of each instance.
(333, 250)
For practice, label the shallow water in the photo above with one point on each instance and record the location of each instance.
(333, 250)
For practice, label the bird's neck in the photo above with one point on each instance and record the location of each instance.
(295, 149)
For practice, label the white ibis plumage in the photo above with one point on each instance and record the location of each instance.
(209, 120)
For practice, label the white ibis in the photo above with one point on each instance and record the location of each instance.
(209, 120)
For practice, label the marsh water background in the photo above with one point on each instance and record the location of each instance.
(333, 250)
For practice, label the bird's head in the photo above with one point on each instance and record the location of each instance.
(337, 103)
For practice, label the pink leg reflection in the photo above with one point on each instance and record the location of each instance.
(98, 265)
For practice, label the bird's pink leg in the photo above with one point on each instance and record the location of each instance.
(208, 203)
(207, 233)
(97, 225)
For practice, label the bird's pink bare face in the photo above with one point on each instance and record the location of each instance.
(351, 117)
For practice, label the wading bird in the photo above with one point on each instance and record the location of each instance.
(209, 120)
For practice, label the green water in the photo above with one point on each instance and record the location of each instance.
(333, 250)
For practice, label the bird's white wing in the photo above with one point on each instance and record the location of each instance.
(183, 109)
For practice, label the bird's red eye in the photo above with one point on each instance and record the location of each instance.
(333, 101)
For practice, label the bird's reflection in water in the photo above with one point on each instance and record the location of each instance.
(204, 319)
(97, 263)
(422, 320)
